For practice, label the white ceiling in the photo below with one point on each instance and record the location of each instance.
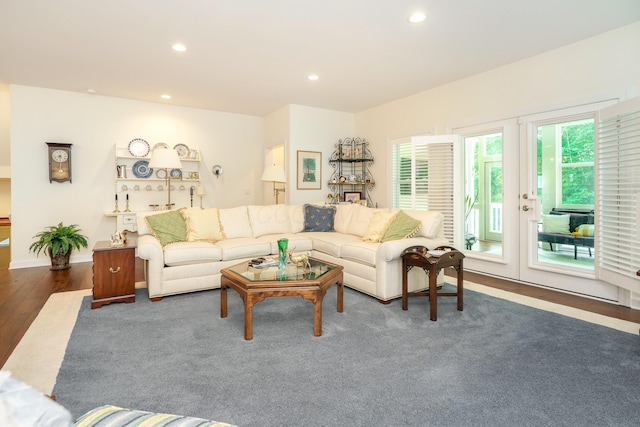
(253, 56)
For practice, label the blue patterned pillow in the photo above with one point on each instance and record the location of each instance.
(318, 218)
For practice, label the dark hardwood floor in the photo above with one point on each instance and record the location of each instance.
(23, 292)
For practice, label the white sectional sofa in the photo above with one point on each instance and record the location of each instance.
(219, 238)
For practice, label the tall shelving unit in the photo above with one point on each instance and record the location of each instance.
(351, 161)
(148, 193)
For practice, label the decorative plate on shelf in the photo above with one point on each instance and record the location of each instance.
(160, 144)
(161, 173)
(182, 150)
(176, 173)
(139, 147)
(141, 169)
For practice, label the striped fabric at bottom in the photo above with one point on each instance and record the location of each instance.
(115, 416)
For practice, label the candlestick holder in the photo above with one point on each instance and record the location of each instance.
(116, 210)
(127, 207)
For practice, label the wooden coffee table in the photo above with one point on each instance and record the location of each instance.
(256, 284)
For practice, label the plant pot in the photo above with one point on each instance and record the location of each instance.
(60, 261)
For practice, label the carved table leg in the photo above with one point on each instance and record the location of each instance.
(223, 298)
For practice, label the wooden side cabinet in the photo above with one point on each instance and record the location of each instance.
(113, 274)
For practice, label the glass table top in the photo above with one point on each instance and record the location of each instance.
(291, 272)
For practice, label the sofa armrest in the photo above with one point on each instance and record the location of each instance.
(149, 249)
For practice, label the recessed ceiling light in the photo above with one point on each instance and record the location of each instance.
(417, 17)
(165, 96)
(179, 47)
(313, 77)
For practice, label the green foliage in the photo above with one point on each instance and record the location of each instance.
(60, 237)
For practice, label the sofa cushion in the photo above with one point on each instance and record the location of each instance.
(297, 242)
(556, 224)
(296, 217)
(378, 226)
(318, 218)
(168, 227)
(269, 219)
(331, 242)
(202, 224)
(432, 223)
(360, 219)
(343, 215)
(185, 253)
(243, 247)
(235, 222)
(403, 226)
(364, 252)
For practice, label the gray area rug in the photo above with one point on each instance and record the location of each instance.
(495, 363)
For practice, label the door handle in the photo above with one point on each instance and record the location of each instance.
(114, 271)
(525, 208)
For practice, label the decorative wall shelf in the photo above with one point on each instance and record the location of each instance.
(351, 160)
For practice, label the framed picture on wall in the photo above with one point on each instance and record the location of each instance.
(309, 170)
(352, 196)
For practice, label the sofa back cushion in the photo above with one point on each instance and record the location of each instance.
(360, 219)
(235, 222)
(343, 215)
(272, 219)
(296, 218)
(432, 223)
(202, 224)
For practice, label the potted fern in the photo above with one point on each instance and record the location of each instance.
(58, 241)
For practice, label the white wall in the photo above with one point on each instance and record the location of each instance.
(594, 69)
(314, 129)
(95, 125)
(5, 165)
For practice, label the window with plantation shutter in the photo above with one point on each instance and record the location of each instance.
(618, 213)
(422, 174)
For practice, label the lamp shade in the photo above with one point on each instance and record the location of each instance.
(164, 158)
(200, 190)
(274, 173)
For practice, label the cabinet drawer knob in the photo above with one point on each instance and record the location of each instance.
(117, 270)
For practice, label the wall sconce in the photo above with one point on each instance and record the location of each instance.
(217, 170)
(276, 174)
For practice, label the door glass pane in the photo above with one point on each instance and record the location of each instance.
(567, 193)
(483, 193)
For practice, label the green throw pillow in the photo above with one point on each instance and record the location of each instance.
(168, 227)
(403, 226)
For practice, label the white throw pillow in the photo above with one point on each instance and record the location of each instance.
(202, 224)
(556, 224)
(235, 222)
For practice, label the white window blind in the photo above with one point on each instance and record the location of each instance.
(422, 173)
(618, 159)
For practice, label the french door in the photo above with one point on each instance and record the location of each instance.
(516, 172)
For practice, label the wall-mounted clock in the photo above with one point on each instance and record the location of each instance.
(59, 162)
